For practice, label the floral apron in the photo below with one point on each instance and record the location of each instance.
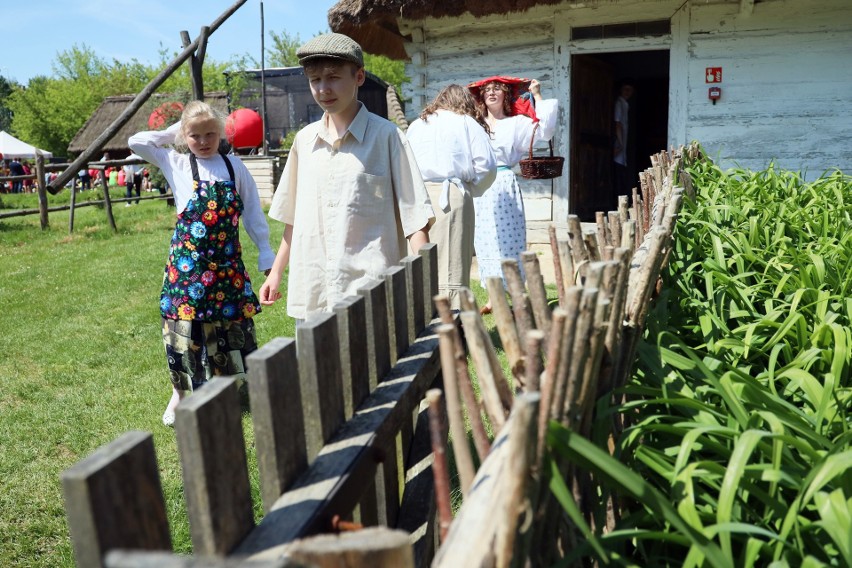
(205, 278)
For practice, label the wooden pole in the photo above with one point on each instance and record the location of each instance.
(488, 376)
(71, 210)
(41, 181)
(557, 264)
(63, 178)
(474, 409)
(107, 203)
(523, 317)
(461, 450)
(505, 322)
(537, 292)
(438, 435)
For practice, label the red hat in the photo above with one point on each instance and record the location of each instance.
(518, 91)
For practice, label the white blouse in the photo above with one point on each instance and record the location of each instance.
(151, 145)
(511, 136)
(454, 147)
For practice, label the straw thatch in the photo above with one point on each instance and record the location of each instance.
(373, 23)
(112, 107)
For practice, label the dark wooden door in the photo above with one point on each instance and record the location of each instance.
(591, 135)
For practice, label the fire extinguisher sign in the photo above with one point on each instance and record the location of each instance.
(713, 75)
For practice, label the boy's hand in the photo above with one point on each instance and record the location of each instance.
(269, 291)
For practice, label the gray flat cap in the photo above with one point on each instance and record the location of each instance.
(336, 46)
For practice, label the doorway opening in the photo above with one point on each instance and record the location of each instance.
(595, 86)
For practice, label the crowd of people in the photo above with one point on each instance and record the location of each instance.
(357, 194)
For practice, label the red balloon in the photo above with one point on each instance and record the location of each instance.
(165, 114)
(244, 128)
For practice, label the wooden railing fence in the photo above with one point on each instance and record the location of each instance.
(345, 440)
(564, 360)
(40, 178)
(340, 437)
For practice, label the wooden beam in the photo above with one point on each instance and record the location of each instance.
(746, 7)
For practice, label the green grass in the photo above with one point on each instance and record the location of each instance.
(82, 360)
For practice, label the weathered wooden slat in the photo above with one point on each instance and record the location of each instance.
(276, 413)
(417, 511)
(320, 379)
(355, 370)
(113, 499)
(369, 548)
(378, 343)
(139, 559)
(215, 470)
(397, 295)
(429, 254)
(537, 292)
(414, 282)
(334, 481)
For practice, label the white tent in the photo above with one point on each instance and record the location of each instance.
(11, 147)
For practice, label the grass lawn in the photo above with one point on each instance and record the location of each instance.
(82, 360)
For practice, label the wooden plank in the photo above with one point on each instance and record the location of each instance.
(113, 499)
(414, 281)
(397, 295)
(355, 369)
(276, 413)
(139, 559)
(320, 379)
(378, 344)
(212, 451)
(334, 482)
(429, 254)
(417, 510)
(369, 548)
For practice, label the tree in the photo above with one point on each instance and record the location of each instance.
(49, 111)
(388, 70)
(6, 88)
(283, 50)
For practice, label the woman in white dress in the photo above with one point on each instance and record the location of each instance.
(500, 224)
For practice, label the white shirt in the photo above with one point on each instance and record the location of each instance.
(511, 136)
(175, 165)
(351, 201)
(453, 147)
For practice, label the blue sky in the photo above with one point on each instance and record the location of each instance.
(35, 31)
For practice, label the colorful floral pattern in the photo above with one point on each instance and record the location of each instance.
(205, 278)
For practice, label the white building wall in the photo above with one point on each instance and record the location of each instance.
(786, 85)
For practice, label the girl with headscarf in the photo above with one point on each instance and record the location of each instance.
(500, 223)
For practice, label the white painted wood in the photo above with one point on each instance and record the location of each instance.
(265, 170)
(786, 89)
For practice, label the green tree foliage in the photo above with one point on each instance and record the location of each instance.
(283, 50)
(388, 70)
(49, 111)
(6, 88)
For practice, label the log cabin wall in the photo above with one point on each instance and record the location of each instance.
(786, 82)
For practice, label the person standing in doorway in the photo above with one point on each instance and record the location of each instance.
(619, 148)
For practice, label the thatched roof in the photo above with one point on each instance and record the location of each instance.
(112, 107)
(373, 23)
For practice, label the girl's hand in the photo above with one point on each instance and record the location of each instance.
(535, 88)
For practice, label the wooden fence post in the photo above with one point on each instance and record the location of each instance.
(320, 379)
(276, 413)
(429, 254)
(212, 450)
(41, 183)
(114, 499)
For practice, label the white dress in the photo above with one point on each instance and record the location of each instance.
(501, 229)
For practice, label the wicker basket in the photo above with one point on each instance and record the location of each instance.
(541, 167)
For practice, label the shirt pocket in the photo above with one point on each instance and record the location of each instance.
(369, 195)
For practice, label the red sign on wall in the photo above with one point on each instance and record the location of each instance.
(713, 75)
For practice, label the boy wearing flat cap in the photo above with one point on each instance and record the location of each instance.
(350, 194)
